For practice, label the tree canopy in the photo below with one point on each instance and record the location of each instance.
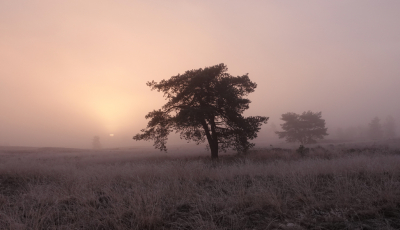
(204, 104)
(305, 128)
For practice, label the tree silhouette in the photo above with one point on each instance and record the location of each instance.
(96, 142)
(304, 128)
(375, 129)
(389, 127)
(204, 104)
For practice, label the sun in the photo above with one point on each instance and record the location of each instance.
(108, 106)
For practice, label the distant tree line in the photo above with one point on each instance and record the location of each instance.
(378, 131)
(374, 130)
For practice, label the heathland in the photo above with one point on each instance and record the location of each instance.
(329, 187)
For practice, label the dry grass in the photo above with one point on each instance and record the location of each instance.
(76, 189)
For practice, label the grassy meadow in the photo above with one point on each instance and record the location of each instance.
(331, 187)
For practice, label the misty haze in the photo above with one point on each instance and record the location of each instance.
(199, 115)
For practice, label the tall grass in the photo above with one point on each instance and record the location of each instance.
(265, 190)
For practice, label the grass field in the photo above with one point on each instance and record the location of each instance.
(329, 188)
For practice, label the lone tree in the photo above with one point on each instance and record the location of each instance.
(375, 131)
(96, 142)
(304, 128)
(204, 104)
(389, 127)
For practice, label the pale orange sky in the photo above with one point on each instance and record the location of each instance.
(70, 70)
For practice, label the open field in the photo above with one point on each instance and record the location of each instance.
(329, 188)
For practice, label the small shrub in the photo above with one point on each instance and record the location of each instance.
(303, 151)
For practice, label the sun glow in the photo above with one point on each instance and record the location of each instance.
(109, 107)
(112, 110)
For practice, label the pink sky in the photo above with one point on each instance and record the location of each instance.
(70, 70)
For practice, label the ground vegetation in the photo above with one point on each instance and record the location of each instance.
(332, 188)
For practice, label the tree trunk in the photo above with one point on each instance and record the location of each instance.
(212, 142)
(214, 137)
(214, 150)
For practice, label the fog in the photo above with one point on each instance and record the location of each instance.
(72, 70)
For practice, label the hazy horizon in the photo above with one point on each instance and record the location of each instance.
(73, 70)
